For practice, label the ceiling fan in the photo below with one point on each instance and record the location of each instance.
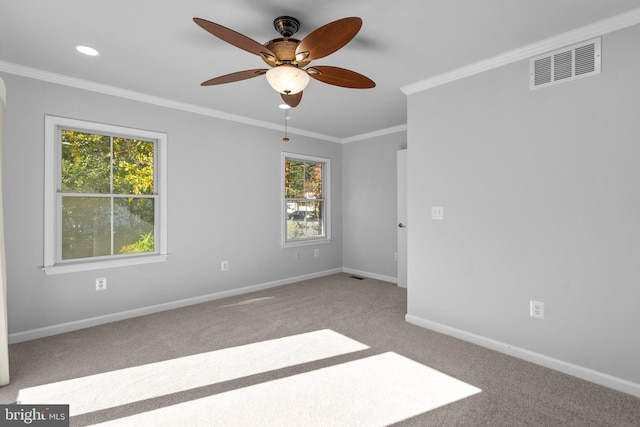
(287, 56)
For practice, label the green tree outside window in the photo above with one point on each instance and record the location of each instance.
(107, 195)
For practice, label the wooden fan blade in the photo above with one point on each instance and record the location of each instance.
(292, 100)
(232, 37)
(235, 77)
(328, 38)
(341, 77)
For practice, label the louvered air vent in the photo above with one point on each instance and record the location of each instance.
(566, 64)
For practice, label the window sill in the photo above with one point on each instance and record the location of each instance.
(307, 242)
(99, 265)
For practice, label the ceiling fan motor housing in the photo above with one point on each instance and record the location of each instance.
(284, 49)
(286, 25)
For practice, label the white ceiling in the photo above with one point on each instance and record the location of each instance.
(154, 48)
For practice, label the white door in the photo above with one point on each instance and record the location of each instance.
(402, 218)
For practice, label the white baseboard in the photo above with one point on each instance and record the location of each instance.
(370, 275)
(100, 320)
(530, 356)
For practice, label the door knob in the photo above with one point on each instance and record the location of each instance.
(401, 225)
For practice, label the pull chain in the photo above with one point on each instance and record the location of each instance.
(286, 119)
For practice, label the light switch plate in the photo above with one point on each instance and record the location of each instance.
(437, 212)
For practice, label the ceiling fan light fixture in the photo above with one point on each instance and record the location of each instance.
(288, 58)
(287, 79)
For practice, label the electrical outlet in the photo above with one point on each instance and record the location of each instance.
(395, 256)
(101, 284)
(316, 252)
(224, 266)
(536, 309)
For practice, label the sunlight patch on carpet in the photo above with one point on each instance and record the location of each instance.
(373, 391)
(114, 388)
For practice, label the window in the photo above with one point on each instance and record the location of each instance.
(105, 196)
(306, 199)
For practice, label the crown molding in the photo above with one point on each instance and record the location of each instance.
(381, 132)
(598, 28)
(61, 79)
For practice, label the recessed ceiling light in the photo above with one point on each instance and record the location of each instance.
(86, 50)
(284, 106)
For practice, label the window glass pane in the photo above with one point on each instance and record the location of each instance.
(294, 179)
(132, 166)
(86, 227)
(313, 181)
(85, 162)
(133, 225)
(305, 220)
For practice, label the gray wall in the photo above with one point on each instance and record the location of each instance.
(369, 205)
(224, 204)
(541, 196)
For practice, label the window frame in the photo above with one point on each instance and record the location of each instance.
(53, 264)
(326, 192)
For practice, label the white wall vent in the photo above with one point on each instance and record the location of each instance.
(566, 64)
